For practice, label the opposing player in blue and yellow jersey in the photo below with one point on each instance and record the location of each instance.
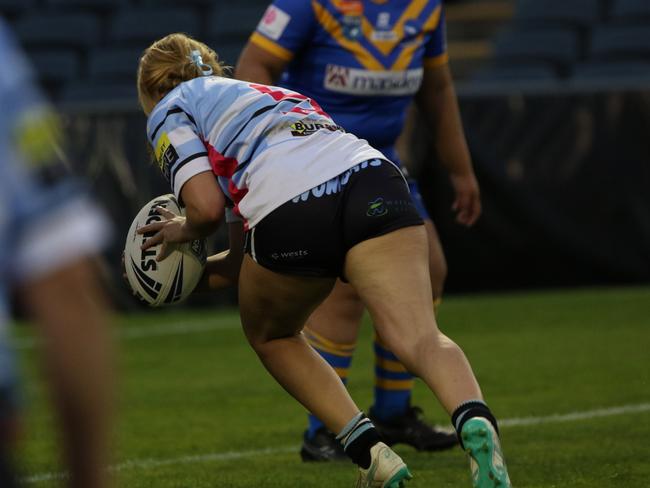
(365, 62)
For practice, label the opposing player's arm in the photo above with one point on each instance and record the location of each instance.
(437, 101)
(259, 65)
(286, 28)
(438, 104)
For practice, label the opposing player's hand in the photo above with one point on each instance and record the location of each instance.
(172, 229)
(467, 201)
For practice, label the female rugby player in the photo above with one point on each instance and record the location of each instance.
(316, 204)
(365, 62)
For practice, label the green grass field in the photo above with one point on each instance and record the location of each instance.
(196, 409)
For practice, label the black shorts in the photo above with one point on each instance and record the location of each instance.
(311, 234)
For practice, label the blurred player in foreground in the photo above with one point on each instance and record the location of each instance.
(48, 232)
(316, 204)
(365, 62)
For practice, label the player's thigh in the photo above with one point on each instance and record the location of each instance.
(391, 275)
(274, 305)
(437, 261)
(338, 318)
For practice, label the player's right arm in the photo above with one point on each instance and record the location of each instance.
(285, 28)
(222, 269)
(182, 157)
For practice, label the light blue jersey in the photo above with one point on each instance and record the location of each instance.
(44, 221)
(265, 144)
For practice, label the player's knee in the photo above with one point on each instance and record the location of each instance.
(413, 348)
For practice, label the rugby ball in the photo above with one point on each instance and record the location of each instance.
(172, 279)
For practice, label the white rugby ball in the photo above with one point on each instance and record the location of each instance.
(172, 279)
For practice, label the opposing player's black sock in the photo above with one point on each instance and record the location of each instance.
(468, 410)
(358, 437)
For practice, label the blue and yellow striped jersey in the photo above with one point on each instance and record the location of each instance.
(362, 60)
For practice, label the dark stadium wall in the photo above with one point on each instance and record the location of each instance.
(566, 193)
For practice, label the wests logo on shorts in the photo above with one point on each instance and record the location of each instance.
(300, 129)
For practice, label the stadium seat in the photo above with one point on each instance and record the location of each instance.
(631, 10)
(54, 66)
(92, 92)
(95, 5)
(58, 30)
(591, 70)
(578, 13)
(115, 64)
(234, 23)
(12, 7)
(172, 3)
(517, 72)
(621, 42)
(141, 26)
(559, 47)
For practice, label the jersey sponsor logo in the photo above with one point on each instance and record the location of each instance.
(383, 20)
(300, 129)
(376, 208)
(383, 35)
(380, 207)
(274, 22)
(372, 83)
(166, 155)
(349, 7)
(336, 184)
(352, 27)
(412, 28)
(383, 31)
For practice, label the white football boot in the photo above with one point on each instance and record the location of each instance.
(387, 470)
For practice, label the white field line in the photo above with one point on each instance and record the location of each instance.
(143, 464)
(146, 331)
(575, 416)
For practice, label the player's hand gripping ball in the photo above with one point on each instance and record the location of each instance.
(165, 273)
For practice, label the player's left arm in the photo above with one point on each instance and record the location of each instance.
(437, 101)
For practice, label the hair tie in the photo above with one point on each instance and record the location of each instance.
(197, 59)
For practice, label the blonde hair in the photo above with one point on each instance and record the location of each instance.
(167, 63)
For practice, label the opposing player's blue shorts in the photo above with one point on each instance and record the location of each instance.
(417, 199)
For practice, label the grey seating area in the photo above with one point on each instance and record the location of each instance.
(85, 50)
(575, 39)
